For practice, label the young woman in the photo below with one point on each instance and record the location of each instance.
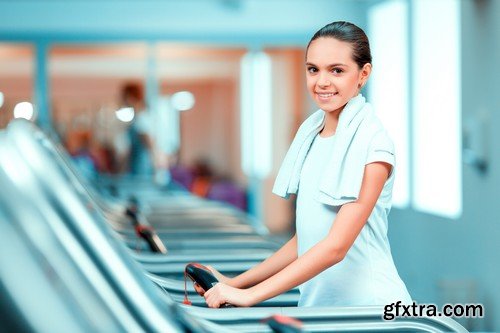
(340, 165)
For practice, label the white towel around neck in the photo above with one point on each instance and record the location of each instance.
(356, 132)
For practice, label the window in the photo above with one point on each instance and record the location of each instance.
(389, 85)
(420, 107)
(256, 114)
(436, 107)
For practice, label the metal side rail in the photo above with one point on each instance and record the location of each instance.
(151, 257)
(176, 270)
(326, 319)
(236, 243)
(206, 258)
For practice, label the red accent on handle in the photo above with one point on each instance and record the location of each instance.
(140, 228)
(186, 300)
(195, 264)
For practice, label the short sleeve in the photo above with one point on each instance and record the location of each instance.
(381, 149)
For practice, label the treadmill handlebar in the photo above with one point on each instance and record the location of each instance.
(203, 277)
(146, 232)
(131, 212)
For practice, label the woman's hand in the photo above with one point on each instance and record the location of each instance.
(222, 278)
(222, 293)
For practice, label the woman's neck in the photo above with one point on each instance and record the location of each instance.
(331, 122)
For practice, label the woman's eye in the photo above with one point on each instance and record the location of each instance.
(312, 69)
(337, 70)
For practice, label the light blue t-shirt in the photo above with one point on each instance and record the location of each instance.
(367, 275)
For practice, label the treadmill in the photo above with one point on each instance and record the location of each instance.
(40, 187)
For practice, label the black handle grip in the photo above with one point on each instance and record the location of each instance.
(204, 277)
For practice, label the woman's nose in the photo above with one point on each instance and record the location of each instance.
(323, 81)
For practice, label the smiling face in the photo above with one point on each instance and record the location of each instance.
(333, 77)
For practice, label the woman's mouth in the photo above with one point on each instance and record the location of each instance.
(326, 96)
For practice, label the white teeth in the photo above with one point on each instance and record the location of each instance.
(326, 95)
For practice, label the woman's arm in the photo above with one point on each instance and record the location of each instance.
(275, 263)
(332, 249)
(279, 260)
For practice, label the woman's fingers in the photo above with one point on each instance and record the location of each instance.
(213, 297)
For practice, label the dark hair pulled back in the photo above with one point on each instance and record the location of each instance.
(350, 33)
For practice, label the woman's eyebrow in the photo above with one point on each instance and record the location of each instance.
(331, 65)
(338, 65)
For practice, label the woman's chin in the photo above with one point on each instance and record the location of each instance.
(331, 108)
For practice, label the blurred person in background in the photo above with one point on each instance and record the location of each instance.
(203, 178)
(139, 133)
(78, 143)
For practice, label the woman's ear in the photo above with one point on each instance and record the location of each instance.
(364, 74)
